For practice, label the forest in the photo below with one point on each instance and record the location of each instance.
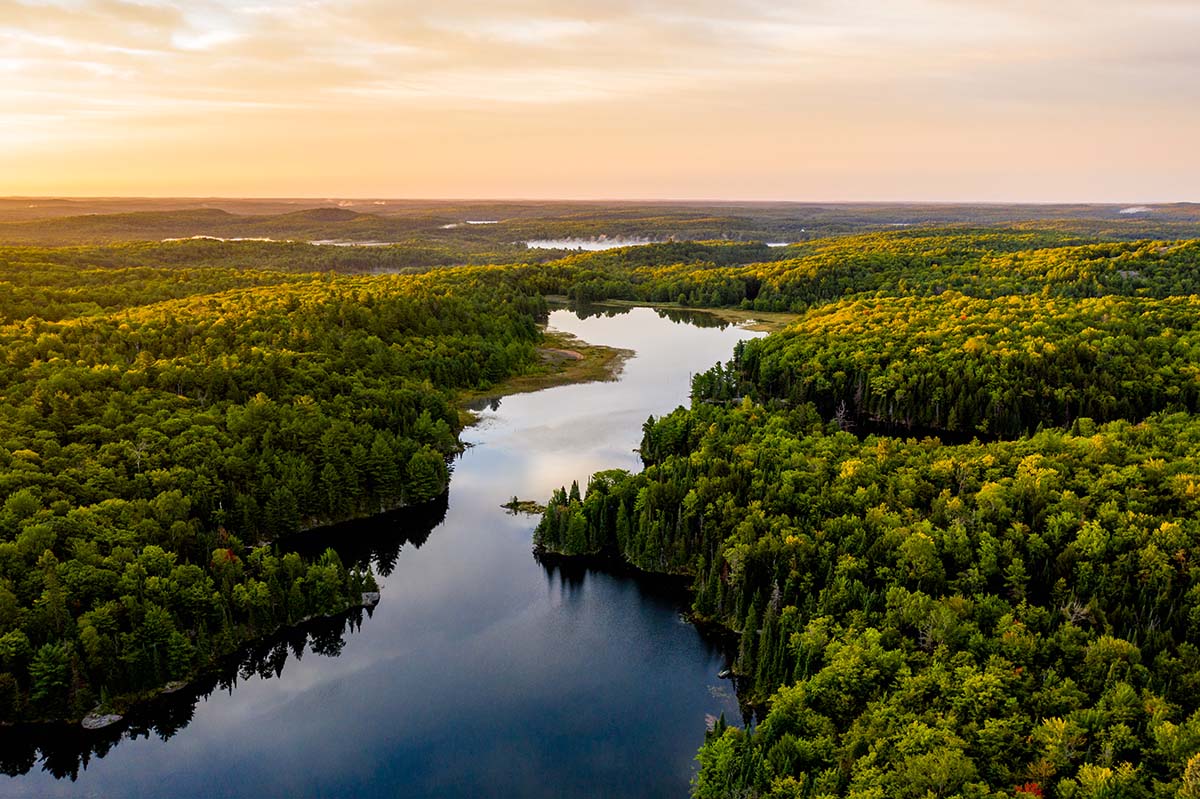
(160, 429)
(958, 363)
(950, 511)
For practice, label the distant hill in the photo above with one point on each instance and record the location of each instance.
(65, 221)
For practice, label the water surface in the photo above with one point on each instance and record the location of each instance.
(591, 245)
(482, 672)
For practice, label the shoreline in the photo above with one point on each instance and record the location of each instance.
(564, 360)
(758, 321)
(568, 360)
(115, 714)
(615, 562)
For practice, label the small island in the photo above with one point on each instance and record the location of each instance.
(527, 506)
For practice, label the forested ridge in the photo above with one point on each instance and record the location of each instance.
(925, 262)
(159, 428)
(473, 226)
(917, 617)
(957, 363)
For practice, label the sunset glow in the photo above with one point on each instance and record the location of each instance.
(867, 99)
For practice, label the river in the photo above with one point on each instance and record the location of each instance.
(481, 672)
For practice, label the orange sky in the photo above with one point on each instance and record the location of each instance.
(821, 99)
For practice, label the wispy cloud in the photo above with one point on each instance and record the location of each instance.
(81, 76)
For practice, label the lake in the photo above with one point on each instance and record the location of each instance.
(591, 245)
(482, 672)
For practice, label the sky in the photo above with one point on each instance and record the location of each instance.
(945, 100)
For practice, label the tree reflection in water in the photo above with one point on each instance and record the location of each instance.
(63, 750)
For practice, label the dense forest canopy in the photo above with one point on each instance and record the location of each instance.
(159, 427)
(957, 363)
(955, 606)
(925, 615)
(981, 263)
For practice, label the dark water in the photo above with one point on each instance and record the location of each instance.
(482, 672)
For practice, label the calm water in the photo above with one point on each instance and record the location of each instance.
(593, 245)
(482, 672)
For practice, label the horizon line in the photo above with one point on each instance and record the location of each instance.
(651, 200)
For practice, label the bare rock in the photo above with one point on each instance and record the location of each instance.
(98, 721)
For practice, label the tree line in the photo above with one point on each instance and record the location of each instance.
(160, 432)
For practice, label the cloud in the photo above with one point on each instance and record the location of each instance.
(511, 51)
(86, 74)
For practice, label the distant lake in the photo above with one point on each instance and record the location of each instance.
(453, 225)
(482, 672)
(586, 244)
(351, 243)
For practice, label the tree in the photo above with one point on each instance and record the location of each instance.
(50, 676)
